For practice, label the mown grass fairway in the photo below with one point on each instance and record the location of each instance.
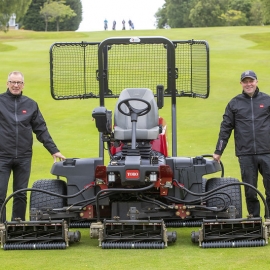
(232, 50)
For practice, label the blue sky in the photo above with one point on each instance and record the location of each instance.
(141, 12)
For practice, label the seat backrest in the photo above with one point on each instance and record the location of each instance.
(147, 125)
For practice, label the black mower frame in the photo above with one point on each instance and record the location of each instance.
(130, 202)
(198, 51)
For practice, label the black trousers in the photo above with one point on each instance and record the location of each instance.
(21, 168)
(250, 166)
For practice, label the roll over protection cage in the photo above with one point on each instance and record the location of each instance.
(102, 70)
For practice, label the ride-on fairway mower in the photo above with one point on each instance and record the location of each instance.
(144, 190)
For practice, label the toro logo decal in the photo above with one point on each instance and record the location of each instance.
(132, 174)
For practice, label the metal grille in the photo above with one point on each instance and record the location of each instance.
(192, 64)
(136, 66)
(73, 69)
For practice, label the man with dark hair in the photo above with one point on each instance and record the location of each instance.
(19, 118)
(248, 114)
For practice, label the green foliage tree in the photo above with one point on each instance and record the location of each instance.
(202, 13)
(33, 20)
(178, 13)
(266, 11)
(46, 12)
(8, 7)
(161, 16)
(256, 13)
(73, 23)
(244, 6)
(56, 11)
(208, 13)
(234, 18)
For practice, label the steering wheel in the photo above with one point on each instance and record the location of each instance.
(132, 110)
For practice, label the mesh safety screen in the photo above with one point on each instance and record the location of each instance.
(136, 66)
(74, 67)
(192, 62)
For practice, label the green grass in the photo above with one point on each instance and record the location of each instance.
(183, 255)
(232, 50)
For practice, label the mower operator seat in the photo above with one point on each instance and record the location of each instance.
(147, 125)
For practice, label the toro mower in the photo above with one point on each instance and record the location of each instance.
(144, 190)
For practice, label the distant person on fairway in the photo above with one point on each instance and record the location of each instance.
(19, 118)
(124, 25)
(105, 24)
(130, 24)
(114, 25)
(248, 114)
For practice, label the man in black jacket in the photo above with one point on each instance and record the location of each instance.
(19, 117)
(248, 114)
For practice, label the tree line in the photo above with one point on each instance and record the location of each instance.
(42, 15)
(207, 13)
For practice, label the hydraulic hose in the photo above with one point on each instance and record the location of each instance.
(38, 190)
(233, 184)
(113, 190)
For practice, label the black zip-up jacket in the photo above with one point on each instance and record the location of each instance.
(19, 117)
(249, 117)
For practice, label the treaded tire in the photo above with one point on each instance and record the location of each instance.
(41, 200)
(204, 181)
(234, 192)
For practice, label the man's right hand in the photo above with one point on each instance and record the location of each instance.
(216, 157)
